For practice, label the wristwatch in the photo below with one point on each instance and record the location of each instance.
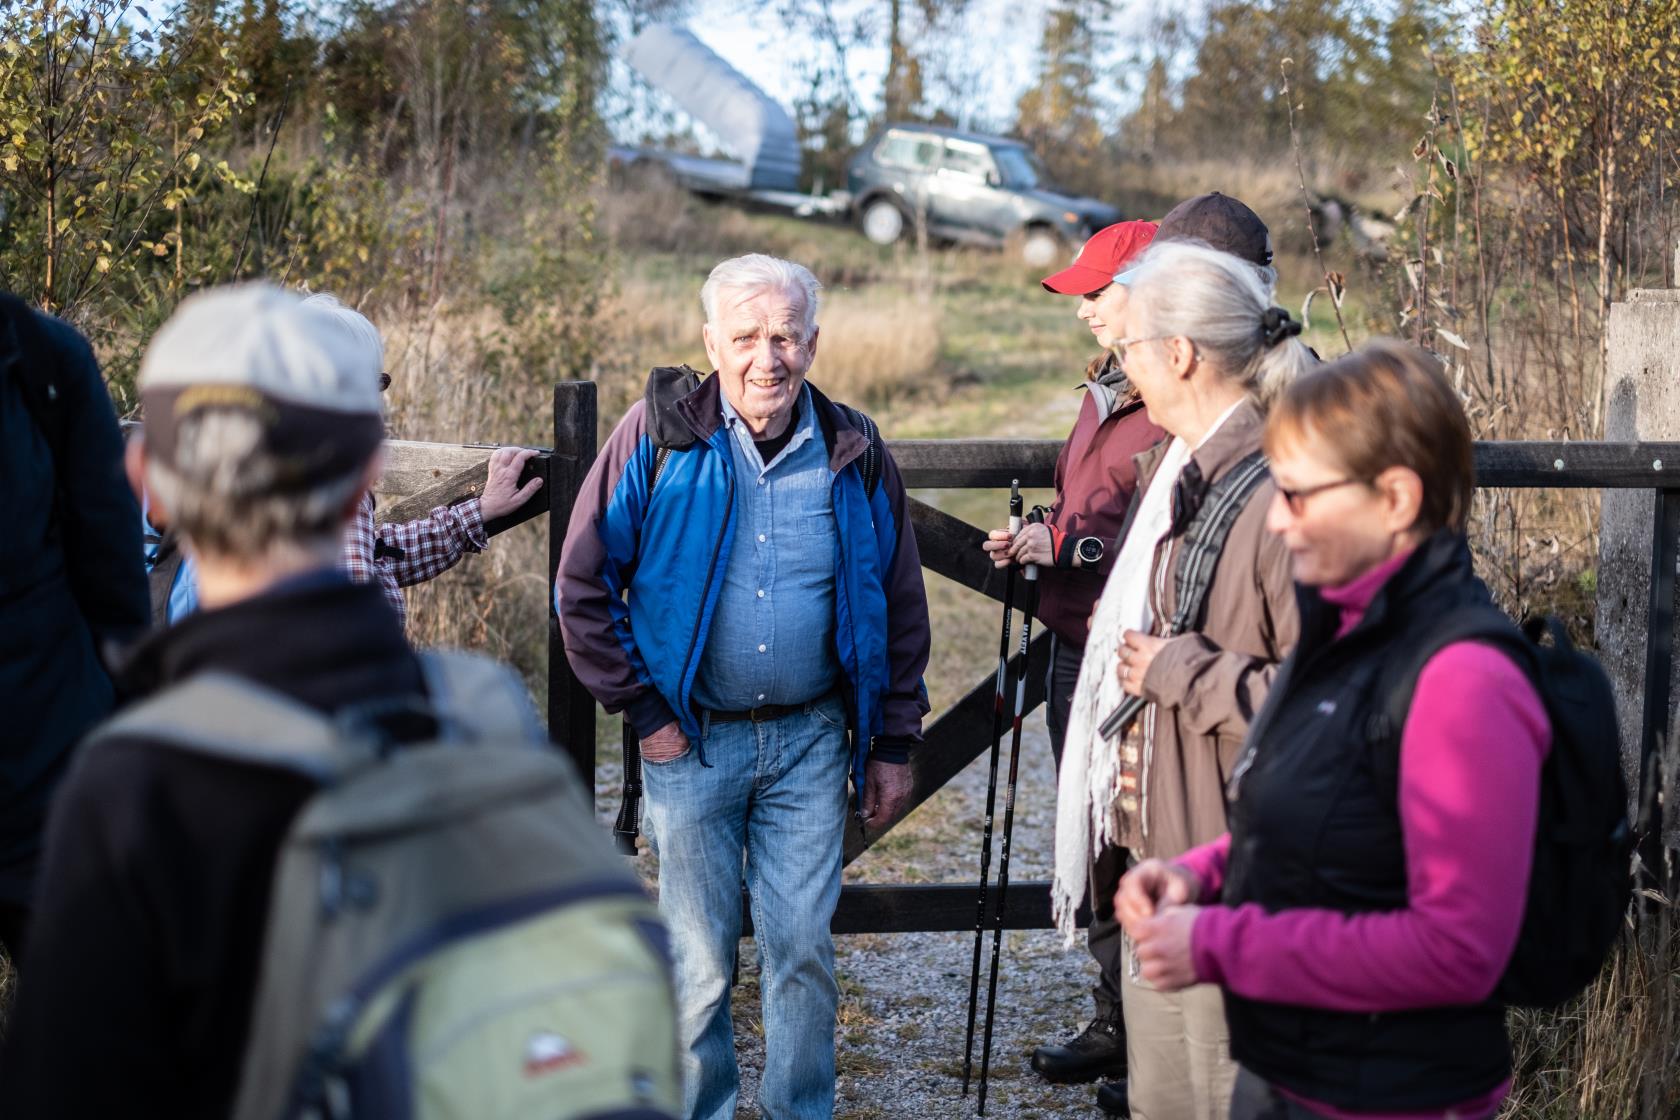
(1090, 551)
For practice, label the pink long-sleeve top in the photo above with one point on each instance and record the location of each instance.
(1476, 726)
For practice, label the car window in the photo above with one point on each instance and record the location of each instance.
(1019, 169)
(908, 150)
(967, 158)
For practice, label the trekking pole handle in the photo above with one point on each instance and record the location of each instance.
(1036, 517)
(1014, 506)
(1120, 717)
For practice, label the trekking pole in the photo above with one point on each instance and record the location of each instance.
(991, 785)
(1031, 576)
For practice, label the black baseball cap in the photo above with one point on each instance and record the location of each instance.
(1222, 222)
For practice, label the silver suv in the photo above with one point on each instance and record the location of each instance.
(966, 187)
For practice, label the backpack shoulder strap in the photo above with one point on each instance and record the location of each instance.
(1480, 624)
(660, 456)
(874, 454)
(1486, 624)
(479, 699)
(1205, 538)
(226, 717)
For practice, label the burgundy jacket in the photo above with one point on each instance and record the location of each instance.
(1095, 481)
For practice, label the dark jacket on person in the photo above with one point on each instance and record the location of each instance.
(144, 952)
(71, 576)
(1095, 481)
(1316, 823)
(668, 544)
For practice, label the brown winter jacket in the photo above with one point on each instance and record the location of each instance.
(1205, 687)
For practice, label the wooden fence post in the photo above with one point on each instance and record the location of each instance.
(571, 709)
(1638, 529)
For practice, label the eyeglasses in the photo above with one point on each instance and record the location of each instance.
(1121, 345)
(1297, 499)
(384, 382)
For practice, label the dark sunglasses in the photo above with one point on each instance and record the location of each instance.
(384, 382)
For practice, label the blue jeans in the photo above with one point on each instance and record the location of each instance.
(770, 803)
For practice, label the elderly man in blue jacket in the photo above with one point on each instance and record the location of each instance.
(741, 579)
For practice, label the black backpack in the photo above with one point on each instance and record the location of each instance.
(1581, 882)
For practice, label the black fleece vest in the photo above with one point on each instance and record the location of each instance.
(1315, 823)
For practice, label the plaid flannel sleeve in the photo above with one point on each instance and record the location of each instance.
(427, 547)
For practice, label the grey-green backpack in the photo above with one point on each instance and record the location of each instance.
(450, 934)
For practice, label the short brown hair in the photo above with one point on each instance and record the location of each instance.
(1387, 404)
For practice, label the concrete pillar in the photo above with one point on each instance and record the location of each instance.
(1641, 403)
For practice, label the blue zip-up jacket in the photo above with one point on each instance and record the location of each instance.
(640, 573)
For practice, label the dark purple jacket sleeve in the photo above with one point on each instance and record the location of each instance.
(594, 621)
(909, 638)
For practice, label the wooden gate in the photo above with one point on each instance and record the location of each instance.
(426, 475)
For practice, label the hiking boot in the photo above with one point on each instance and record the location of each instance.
(1111, 1098)
(1100, 1050)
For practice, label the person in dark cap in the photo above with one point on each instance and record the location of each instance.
(1076, 548)
(1224, 223)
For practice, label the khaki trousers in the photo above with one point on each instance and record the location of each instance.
(1178, 1051)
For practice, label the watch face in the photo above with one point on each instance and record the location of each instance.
(1090, 550)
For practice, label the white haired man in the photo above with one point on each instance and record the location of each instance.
(775, 604)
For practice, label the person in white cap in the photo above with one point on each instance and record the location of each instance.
(403, 554)
(263, 432)
(393, 555)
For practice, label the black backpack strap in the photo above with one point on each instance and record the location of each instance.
(1479, 623)
(166, 565)
(1206, 535)
(1204, 540)
(629, 823)
(869, 465)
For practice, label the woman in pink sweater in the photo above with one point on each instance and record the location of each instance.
(1369, 894)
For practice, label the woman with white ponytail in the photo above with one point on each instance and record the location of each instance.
(1193, 622)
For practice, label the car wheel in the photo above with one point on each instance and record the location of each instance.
(1040, 248)
(882, 221)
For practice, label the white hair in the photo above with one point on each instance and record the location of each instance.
(352, 326)
(221, 494)
(1187, 289)
(757, 272)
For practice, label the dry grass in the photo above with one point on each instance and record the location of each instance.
(1614, 1053)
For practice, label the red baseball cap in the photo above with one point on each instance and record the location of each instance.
(1101, 257)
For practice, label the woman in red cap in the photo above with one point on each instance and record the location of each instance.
(1074, 549)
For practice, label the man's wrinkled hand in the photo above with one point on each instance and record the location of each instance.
(664, 745)
(886, 791)
(502, 492)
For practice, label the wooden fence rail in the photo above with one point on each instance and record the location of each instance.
(419, 476)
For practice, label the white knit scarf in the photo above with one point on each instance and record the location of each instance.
(1089, 783)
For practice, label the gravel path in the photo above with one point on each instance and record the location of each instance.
(904, 997)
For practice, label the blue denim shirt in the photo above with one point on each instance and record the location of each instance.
(772, 635)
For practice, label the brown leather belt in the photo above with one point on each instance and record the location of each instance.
(764, 713)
